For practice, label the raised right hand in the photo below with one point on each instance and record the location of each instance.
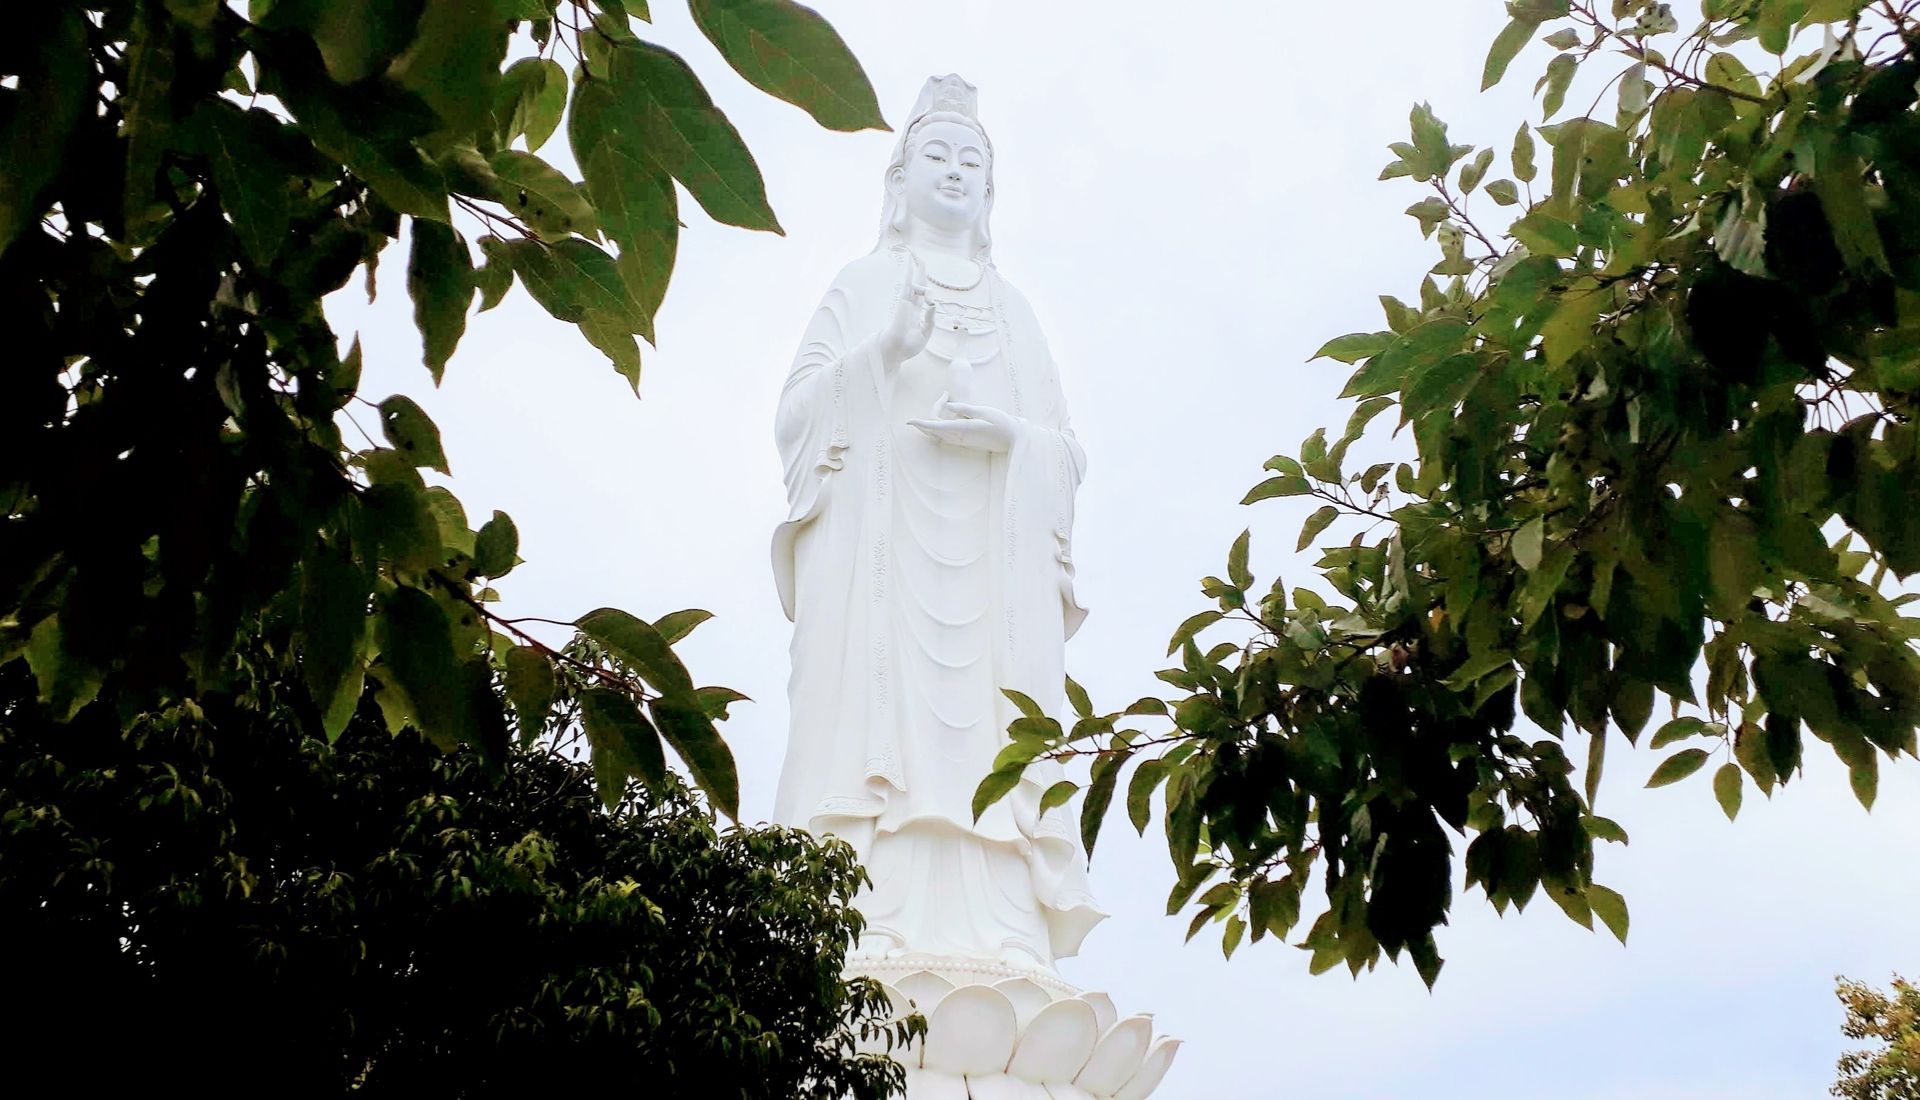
(910, 324)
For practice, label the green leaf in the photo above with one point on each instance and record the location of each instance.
(1677, 767)
(995, 787)
(1726, 789)
(530, 688)
(1316, 523)
(1528, 543)
(1611, 908)
(1559, 77)
(541, 195)
(624, 744)
(148, 122)
(1503, 192)
(1230, 939)
(67, 683)
(681, 130)
(1523, 168)
(715, 701)
(676, 625)
(789, 51)
(1058, 794)
(1441, 386)
(497, 546)
(576, 282)
(357, 38)
(1237, 570)
(248, 178)
(1353, 347)
(1750, 749)
(454, 61)
(416, 645)
(692, 734)
(1093, 811)
(1546, 235)
(333, 630)
(1475, 171)
(355, 126)
(397, 511)
(1840, 183)
(495, 277)
(406, 427)
(440, 280)
(1677, 730)
(640, 647)
(1285, 485)
(1077, 695)
(1192, 626)
(530, 101)
(618, 345)
(1140, 793)
(1505, 46)
(1024, 702)
(1601, 828)
(1564, 39)
(635, 198)
(1420, 346)
(49, 58)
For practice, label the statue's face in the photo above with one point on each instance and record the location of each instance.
(944, 181)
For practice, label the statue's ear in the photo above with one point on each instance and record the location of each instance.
(897, 180)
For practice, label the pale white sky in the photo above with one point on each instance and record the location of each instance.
(1187, 195)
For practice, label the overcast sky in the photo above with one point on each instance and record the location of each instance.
(1186, 194)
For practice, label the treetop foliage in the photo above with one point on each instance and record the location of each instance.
(184, 182)
(378, 915)
(1661, 389)
(1891, 1019)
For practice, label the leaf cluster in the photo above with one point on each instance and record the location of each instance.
(1891, 1019)
(220, 893)
(183, 184)
(1664, 447)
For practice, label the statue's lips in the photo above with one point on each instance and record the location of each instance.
(952, 192)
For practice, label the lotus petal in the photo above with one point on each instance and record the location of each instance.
(1159, 1058)
(972, 1030)
(1068, 1092)
(1102, 1009)
(1027, 996)
(928, 1084)
(1056, 1043)
(924, 988)
(998, 1086)
(1117, 1057)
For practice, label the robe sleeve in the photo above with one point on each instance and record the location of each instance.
(810, 425)
(1053, 470)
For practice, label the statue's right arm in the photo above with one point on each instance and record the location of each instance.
(816, 383)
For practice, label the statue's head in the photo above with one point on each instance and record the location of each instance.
(942, 168)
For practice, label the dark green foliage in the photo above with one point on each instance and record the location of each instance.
(1637, 413)
(172, 463)
(225, 899)
(225, 624)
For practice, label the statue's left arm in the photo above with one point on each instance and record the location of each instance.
(1055, 458)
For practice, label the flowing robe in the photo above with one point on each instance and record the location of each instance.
(871, 757)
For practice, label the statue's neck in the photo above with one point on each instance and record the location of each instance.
(929, 241)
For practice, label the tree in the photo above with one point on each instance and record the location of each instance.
(1892, 1073)
(184, 183)
(216, 595)
(213, 892)
(1639, 417)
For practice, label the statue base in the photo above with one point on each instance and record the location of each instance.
(1002, 1032)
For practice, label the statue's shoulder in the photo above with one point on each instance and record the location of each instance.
(877, 270)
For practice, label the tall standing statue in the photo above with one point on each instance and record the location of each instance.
(926, 562)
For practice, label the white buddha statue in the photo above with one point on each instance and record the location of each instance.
(931, 473)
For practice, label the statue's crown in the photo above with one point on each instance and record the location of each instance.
(950, 93)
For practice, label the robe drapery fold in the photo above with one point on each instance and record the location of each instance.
(861, 758)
